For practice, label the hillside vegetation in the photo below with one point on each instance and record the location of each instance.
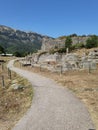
(14, 41)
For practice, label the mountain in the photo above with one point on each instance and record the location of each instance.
(19, 41)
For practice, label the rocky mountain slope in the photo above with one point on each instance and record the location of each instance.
(19, 41)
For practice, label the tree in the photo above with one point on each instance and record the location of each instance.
(17, 54)
(1, 50)
(92, 42)
(68, 42)
(73, 35)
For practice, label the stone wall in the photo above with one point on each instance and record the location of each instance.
(49, 43)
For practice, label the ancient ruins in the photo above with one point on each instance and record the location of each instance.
(62, 62)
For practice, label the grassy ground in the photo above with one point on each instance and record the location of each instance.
(13, 102)
(83, 84)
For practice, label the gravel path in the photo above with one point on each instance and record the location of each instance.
(53, 107)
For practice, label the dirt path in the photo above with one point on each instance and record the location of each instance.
(53, 107)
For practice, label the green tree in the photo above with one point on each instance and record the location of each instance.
(1, 50)
(73, 35)
(68, 42)
(92, 42)
(17, 54)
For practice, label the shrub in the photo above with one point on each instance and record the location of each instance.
(2, 50)
(92, 42)
(79, 46)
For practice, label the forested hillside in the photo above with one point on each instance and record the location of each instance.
(14, 41)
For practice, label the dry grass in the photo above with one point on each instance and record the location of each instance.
(83, 84)
(13, 103)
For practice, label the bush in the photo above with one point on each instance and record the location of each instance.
(78, 46)
(92, 42)
(62, 50)
(18, 54)
(2, 50)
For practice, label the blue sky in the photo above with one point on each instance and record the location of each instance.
(51, 17)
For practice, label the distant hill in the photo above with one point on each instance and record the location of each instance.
(19, 41)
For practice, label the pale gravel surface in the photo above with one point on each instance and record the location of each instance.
(53, 107)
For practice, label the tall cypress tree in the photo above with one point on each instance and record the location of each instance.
(68, 42)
